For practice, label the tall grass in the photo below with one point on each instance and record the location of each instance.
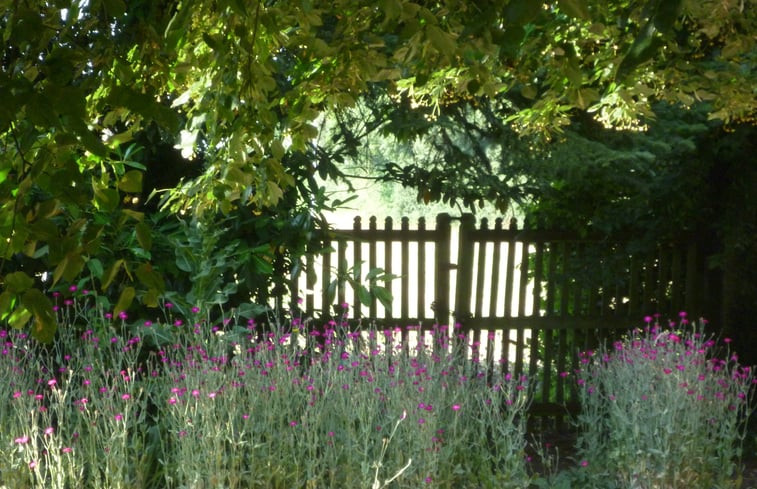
(664, 408)
(183, 405)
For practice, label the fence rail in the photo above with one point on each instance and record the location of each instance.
(532, 298)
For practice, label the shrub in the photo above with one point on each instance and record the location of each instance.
(662, 408)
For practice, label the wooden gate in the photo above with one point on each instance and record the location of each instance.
(532, 298)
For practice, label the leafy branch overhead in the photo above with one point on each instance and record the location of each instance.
(241, 88)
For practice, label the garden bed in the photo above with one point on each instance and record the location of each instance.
(242, 406)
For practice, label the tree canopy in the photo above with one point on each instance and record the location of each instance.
(91, 88)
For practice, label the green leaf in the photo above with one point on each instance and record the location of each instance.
(177, 26)
(364, 296)
(95, 267)
(45, 324)
(43, 229)
(131, 182)
(7, 300)
(150, 278)
(511, 40)
(151, 298)
(521, 12)
(383, 295)
(331, 293)
(111, 274)
(183, 260)
(69, 267)
(529, 91)
(575, 8)
(442, 41)
(106, 199)
(19, 317)
(18, 282)
(250, 310)
(124, 300)
(144, 235)
(212, 42)
(145, 105)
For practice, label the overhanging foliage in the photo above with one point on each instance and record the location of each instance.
(238, 86)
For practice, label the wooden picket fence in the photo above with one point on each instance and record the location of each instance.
(526, 300)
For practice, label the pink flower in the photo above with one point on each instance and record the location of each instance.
(118, 417)
(456, 407)
(49, 431)
(22, 440)
(584, 463)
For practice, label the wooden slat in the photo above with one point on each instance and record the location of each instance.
(481, 262)
(496, 265)
(388, 224)
(404, 265)
(464, 268)
(372, 263)
(422, 274)
(549, 352)
(341, 272)
(326, 274)
(538, 277)
(441, 273)
(552, 252)
(554, 322)
(357, 257)
(564, 250)
(520, 337)
(564, 349)
(311, 275)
